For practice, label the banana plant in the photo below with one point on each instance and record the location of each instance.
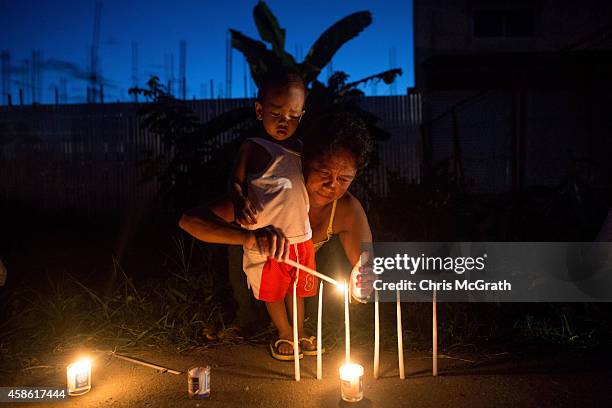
(191, 149)
(261, 59)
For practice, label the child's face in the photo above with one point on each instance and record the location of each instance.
(281, 110)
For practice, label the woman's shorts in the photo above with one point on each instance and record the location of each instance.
(271, 280)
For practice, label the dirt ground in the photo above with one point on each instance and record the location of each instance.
(246, 376)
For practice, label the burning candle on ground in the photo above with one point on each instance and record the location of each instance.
(400, 338)
(79, 377)
(351, 382)
(319, 333)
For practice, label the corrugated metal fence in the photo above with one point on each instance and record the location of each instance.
(85, 157)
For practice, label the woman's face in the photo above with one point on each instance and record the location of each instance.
(329, 176)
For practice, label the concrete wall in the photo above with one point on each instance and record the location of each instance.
(446, 27)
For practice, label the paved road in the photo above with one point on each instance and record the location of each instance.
(245, 376)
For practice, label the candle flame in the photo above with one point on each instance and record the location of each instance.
(349, 371)
(83, 364)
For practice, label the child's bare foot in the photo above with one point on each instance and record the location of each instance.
(308, 345)
(282, 348)
(285, 348)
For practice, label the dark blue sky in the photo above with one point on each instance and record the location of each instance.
(62, 30)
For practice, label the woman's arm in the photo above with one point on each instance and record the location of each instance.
(354, 234)
(212, 223)
(353, 227)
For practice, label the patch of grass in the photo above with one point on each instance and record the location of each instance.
(580, 325)
(167, 313)
(173, 313)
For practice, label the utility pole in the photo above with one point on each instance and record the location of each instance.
(63, 97)
(392, 65)
(228, 65)
(182, 68)
(25, 82)
(135, 69)
(93, 67)
(172, 78)
(35, 76)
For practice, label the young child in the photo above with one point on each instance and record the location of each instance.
(267, 189)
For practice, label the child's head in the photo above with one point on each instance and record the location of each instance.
(280, 102)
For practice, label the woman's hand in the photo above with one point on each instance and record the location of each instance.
(362, 278)
(245, 212)
(270, 241)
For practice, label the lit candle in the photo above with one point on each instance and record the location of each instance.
(400, 338)
(79, 377)
(319, 333)
(434, 336)
(296, 342)
(376, 334)
(347, 324)
(351, 382)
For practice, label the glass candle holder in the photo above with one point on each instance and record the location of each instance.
(79, 377)
(351, 382)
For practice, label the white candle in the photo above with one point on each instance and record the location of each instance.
(79, 377)
(351, 382)
(376, 334)
(311, 271)
(347, 324)
(319, 333)
(296, 342)
(400, 338)
(434, 353)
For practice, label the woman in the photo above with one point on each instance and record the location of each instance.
(336, 147)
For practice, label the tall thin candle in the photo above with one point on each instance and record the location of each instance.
(434, 349)
(376, 334)
(319, 333)
(347, 324)
(400, 338)
(296, 343)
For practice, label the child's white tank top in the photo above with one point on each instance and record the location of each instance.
(279, 193)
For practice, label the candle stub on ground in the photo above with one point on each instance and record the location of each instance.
(79, 377)
(351, 382)
(198, 382)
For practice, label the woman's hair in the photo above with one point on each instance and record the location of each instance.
(337, 132)
(279, 77)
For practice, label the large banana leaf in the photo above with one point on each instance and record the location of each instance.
(321, 53)
(268, 28)
(260, 58)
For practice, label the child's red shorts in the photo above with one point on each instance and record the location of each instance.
(271, 280)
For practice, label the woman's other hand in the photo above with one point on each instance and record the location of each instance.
(245, 212)
(270, 241)
(362, 278)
